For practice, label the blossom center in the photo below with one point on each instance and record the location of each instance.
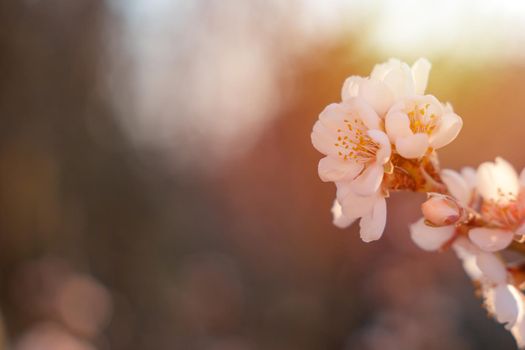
(353, 143)
(422, 120)
(507, 212)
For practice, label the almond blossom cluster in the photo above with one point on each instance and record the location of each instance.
(383, 136)
(383, 122)
(482, 218)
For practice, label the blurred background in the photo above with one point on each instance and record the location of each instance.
(158, 187)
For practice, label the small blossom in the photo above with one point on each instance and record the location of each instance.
(503, 205)
(419, 123)
(356, 150)
(387, 83)
(441, 210)
(498, 182)
(403, 79)
(444, 211)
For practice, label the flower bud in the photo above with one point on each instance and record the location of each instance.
(441, 210)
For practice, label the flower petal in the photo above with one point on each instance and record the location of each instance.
(447, 108)
(332, 120)
(434, 106)
(381, 70)
(397, 124)
(400, 81)
(492, 268)
(430, 238)
(522, 178)
(336, 169)
(420, 70)
(469, 175)
(413, 146)
(510, 174)
(464, 248)
(490, 240)
(369, 181)
(377, 94)
(495, 181)
(339, 219)
(449, 127)
(518, 330)
(332, 116)
(467, 252)
(485, 178)
(322, 139)
(457, 186)
(351, 87)
(373, 224)
(354, 206)
(506, 304)
(357, 107)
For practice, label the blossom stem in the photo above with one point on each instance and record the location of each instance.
(417, 175)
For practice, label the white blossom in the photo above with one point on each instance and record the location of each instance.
(498, 182)
(502, 207)
(419, 123)
(443, 211)
(349, 134)
(387, 83)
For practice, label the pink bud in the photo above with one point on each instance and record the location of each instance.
(441, 210)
